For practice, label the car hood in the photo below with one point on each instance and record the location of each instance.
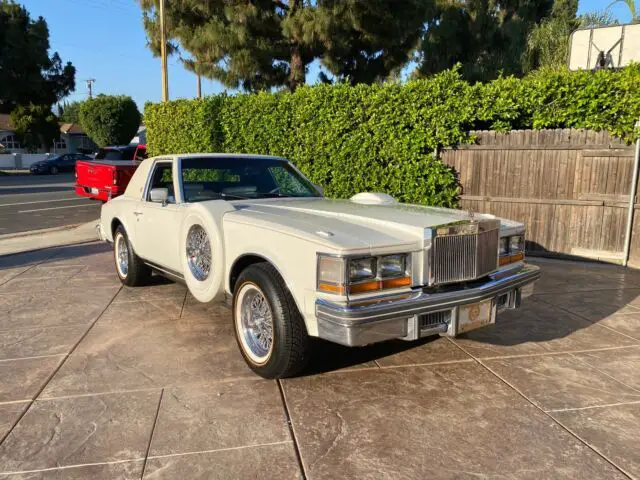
(346, 225)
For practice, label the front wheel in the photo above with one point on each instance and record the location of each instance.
(53, 170)
(269, 328)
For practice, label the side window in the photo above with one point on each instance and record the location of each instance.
(162, 177)
(286, 183)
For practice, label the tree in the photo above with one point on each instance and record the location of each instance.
(631, 5)
(36, 126)
(597, 18)
(366, 41)
(69, 112)
(487, 37)
(110, 120)
(548, 42)
(31, 81)
(28, 75)
(262, 44)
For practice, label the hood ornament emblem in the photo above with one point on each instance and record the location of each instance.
(472, 215)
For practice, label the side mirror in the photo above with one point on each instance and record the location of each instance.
(320, 189)
(159, 195)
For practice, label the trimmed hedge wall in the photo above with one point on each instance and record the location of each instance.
(382, 137)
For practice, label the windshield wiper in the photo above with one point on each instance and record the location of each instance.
(272, 195)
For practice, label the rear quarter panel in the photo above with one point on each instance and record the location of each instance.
(121, 210)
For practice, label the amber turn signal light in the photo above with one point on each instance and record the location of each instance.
(507, 259)
(330, 288)
(376, 285)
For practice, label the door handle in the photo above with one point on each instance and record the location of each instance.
(137, 213)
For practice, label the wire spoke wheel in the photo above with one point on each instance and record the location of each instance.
(122, 255)
(198, 253)
(255, 323)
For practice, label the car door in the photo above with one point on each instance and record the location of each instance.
(158, 224)
(66, 163)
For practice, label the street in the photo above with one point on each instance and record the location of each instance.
(35, 202)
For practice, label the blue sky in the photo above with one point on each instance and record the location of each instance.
(105, 40)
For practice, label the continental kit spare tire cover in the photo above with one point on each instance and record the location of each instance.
(202, 255)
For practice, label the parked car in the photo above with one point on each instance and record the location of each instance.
(297, 265)
(58, 163)
(107, 175)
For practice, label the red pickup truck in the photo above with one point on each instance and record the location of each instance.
(108, 175)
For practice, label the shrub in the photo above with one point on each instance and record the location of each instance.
(382, 137)
(184, 126)
(110, 120)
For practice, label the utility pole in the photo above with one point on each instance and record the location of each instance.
(163, 54)
(90, 83)
(199, 86)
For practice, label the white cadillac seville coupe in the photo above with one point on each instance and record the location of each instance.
(295, 265)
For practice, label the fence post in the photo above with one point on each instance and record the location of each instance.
(632, 201)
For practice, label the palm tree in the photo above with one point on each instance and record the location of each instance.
(632, 8)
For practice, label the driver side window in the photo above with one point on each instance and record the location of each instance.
(162, 178)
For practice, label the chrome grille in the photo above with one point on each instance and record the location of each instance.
(462, 257)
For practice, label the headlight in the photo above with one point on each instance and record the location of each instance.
(516, 244)
(392, 266)
(362, 269)
(511, 249)
(345, 276)
(504, 246)
(331, 272)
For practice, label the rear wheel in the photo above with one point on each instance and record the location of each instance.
(269, 328)
(130, 268)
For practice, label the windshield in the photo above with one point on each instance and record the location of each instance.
(115, 154)
(242, 178)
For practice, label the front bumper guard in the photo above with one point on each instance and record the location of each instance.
(397, 316)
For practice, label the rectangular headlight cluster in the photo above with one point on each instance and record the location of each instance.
(511, 249)
(344, 275)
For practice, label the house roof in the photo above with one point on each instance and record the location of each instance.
(70, 128)
(5, 122)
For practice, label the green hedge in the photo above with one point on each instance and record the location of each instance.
(382, 137)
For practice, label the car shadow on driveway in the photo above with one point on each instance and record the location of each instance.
(328, 356)
(54, 254)
(577, 307)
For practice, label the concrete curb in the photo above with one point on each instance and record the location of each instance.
(41, 231)
(47, 238)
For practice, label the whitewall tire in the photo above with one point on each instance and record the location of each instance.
(269, 329)
(254, 323)
(130, 268)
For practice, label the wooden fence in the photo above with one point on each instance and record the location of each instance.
(570, 187)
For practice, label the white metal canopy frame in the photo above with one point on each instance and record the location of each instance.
(613, 46)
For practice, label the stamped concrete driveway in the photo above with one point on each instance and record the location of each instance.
(99, 381)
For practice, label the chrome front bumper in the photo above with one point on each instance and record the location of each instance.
(401, 316)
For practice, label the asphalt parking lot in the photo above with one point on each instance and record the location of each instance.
(100, 381)
(29, 202)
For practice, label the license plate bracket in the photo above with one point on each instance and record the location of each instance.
(94, 190)
(476, 315)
